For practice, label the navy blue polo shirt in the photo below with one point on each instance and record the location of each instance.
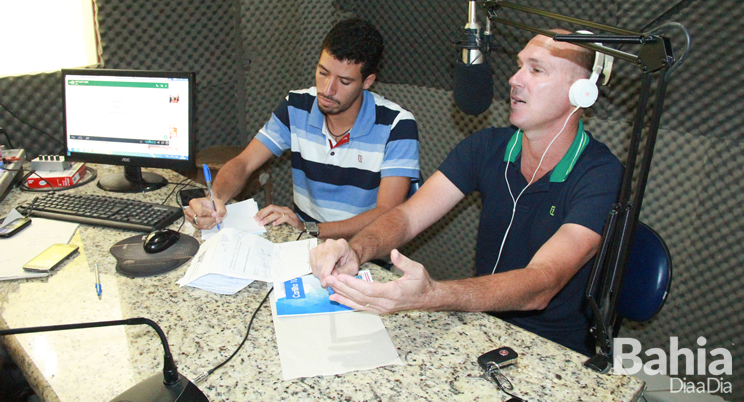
(581, 189)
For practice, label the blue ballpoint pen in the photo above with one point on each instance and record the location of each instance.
(98, 283)
(208, 179)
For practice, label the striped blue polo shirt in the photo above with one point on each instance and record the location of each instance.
(334, 183)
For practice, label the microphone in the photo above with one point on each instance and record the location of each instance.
(170, 386)
(473, 89)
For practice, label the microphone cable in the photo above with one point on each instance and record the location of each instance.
(203, 376)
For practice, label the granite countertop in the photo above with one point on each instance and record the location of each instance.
(439, 350)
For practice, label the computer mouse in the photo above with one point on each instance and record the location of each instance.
(160, 240)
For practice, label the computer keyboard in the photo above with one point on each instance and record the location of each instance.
(101, 210)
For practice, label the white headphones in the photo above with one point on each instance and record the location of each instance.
(584, 92)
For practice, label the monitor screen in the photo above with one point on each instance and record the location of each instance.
(131, 118)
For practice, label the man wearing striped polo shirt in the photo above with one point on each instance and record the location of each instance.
(354, 153)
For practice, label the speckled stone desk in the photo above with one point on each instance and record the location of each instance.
(439, 350)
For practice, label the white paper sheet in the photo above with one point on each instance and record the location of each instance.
(29, 243)
(241, 257)
(329, 344)
(239, 216)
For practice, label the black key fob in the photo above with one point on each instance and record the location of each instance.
(498, 358)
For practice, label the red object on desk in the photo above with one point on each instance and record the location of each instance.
(65, 178)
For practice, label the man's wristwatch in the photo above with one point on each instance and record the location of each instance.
(312, 229)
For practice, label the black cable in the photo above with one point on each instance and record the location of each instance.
(181, 183)
(7, 137)
(671, 11)
(682, 4)
(31, 207)
(207, 373)
(688, 43)
(31, 125)
(25, 177)
(183, 222)
(301, 233)
(178, 199)
(514, 398)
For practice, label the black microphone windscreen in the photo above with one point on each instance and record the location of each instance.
(473, 89)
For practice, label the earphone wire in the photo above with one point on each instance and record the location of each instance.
(508, 186)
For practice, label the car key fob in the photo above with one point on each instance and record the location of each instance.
(498, 358)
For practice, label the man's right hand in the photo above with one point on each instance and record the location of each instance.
(202, 215)
(333, 257)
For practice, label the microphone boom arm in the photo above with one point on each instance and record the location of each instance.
(173, 385)
(170, 373)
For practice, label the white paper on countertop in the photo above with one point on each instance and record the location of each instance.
(328, 344)
(239, 216)
(30, 242)
(229, 261)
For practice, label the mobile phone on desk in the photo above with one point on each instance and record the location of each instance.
(14, 226)
(50, 258)
(190, 194)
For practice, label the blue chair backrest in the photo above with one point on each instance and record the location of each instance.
(648, 276)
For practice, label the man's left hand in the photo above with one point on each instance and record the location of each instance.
(277, 215)
(413, 291)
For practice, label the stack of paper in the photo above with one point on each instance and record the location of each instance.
(239, 216)
(232, 259)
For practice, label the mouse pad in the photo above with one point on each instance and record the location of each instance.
(133, 261)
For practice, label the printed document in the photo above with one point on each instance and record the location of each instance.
(231, 260)
(239, 216)
(304, 295)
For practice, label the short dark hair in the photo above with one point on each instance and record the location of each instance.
(585, 59)
(357, 41)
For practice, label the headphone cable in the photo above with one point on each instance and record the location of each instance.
(515, 200)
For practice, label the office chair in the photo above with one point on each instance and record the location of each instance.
(648, 277)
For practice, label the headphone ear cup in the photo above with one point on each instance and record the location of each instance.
(583, 93)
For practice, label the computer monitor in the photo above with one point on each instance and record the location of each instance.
(130, 118)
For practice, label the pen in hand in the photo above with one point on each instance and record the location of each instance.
(208, 179)
(98, 283)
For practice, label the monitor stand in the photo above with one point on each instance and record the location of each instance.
(132, 180)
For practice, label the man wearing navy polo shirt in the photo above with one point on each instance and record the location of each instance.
(546, 188)
(354, 153)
